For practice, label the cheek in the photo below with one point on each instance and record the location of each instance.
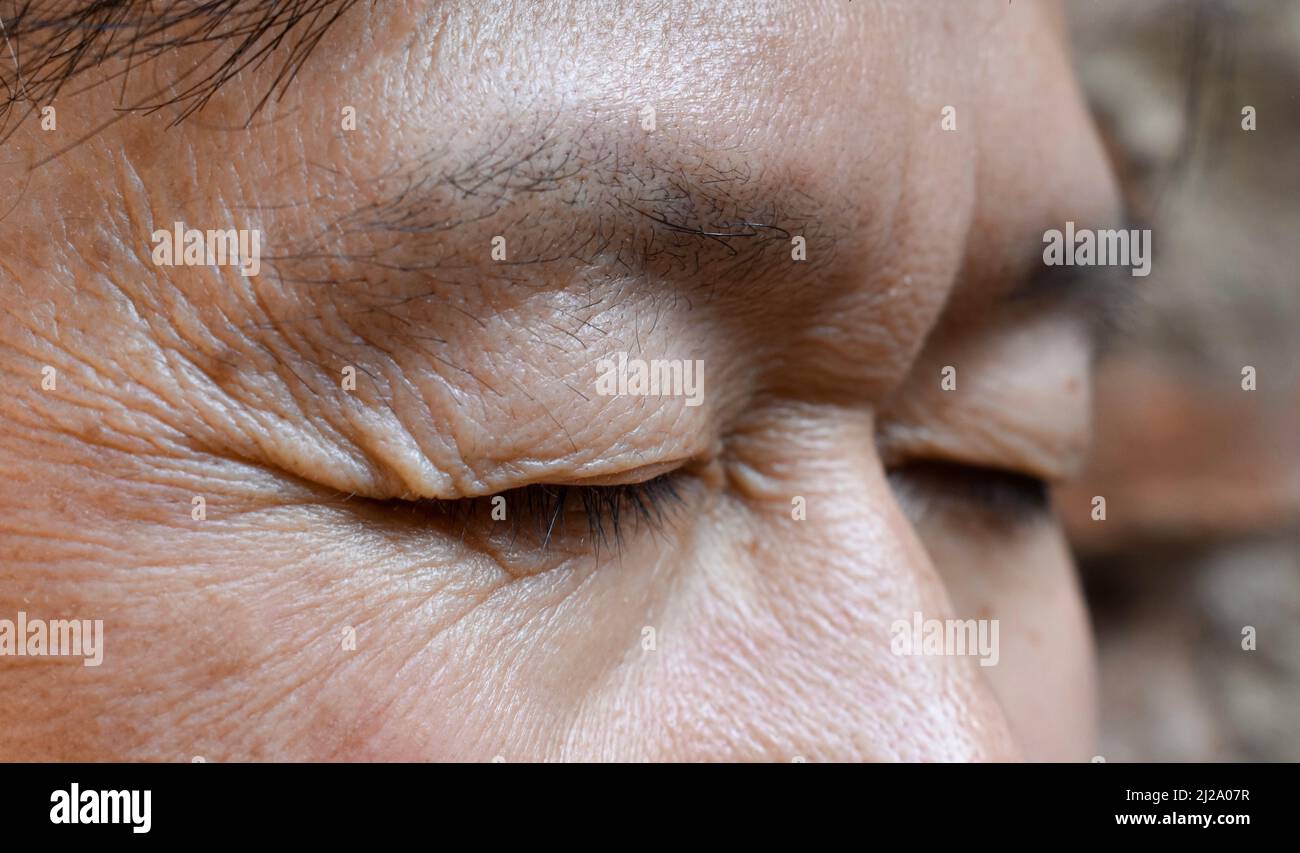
(1026, 580)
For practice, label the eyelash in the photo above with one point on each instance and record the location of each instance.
(1000, 495)
(607, 510)
(990, 496)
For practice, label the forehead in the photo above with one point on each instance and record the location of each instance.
(688, 142)
(676, 147)
(722, 128)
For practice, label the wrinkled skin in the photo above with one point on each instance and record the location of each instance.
(476, 638)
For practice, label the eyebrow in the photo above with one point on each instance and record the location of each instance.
(596, 199)
(1100, 297)
(49, 43)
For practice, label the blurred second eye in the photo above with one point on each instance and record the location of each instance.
(991, 497)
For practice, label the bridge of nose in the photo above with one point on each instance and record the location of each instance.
(800, 597)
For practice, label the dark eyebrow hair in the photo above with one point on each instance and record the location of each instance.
(49, 43)
(594, 210)
(600, 200)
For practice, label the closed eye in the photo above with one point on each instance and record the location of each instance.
(544, 517)
(994, 496)
(609, 512)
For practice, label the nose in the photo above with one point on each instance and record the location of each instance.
(790, 609)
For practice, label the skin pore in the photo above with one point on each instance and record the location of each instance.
(368, 508)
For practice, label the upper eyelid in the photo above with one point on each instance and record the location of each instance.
(612, 475)
(633, 476)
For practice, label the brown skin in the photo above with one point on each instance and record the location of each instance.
(476, 376)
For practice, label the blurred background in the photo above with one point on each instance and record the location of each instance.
(1201, 478)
